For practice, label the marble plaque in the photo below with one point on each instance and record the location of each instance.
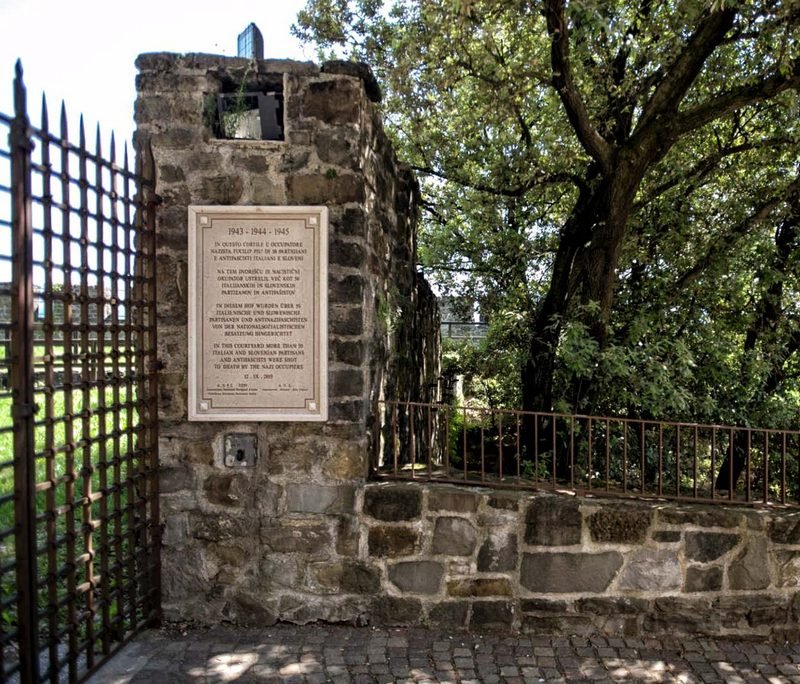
(258, 312)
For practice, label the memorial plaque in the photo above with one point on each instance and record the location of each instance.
(258, 311)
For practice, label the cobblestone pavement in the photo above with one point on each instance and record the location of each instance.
(366, 655)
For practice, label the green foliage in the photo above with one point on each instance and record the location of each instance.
(626, 211)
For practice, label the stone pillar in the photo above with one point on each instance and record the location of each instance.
(281, 540)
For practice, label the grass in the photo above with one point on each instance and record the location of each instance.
(90, 516)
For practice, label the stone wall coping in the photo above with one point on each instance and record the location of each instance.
(201, 61)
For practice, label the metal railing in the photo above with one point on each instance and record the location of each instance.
(588, 454)
(79, 535)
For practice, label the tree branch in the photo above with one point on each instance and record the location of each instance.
(562, 81)
(685, 68)
(539, 178)
(737, 98)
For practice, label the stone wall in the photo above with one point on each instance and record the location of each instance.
(473, 558)
(272, 541)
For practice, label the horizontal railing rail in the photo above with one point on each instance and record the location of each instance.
(588, 454)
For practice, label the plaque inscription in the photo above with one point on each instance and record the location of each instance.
(258, 313)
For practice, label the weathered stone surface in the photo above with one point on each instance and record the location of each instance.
(169, 173)
(222, 190)
(651, 570)
(250, 609)
(756, 609)
(787, 563)
(392, 541)
(457, 500)
(666, 536)
(504, 502)
(225, 489)
(335, 101)
(314, 498)
(703, 579)
(357, 69)
(347, 536)
(569, 572)
(391, 611)
(213, 527)
(619, 525)
(454, 536)
(448, 614)
(612, 605)
(708, 546)
(393, 503)
(417, 577)
(702, 517)
(498, 553)
(346, 383)
(785, 529)
(749, 569)
(558, 624)
(350, 577)
(479, 587)
(299, 536)
(346, 320)
(346, 290)
(347, 352)
(488, 614)
(676, 615)
(542, 606)
(347, 254)
(324, 188)
(175, 479)
(553, 521)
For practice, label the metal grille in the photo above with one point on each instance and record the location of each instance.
(599, 455)
(79, 537)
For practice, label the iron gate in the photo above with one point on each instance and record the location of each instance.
(79, 535)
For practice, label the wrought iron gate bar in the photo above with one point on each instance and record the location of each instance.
(78, 373)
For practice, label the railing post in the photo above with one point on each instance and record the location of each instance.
(22, 377)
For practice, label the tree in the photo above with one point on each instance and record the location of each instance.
(619, 177)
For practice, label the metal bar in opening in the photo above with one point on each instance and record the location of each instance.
(713, 461)
(464, 455)
(642, 453)
(500, 443)
(553, 445)
(430, 443)
(731, 453)
(519, 466)
(395, 437)
(766, 467)
(22, 382)
(783, 469)
(749, 470)
(624, 456)
(483, 452)
(677, 460)
(572, 452)
(608, 454)
(589, 457)
(660, 459)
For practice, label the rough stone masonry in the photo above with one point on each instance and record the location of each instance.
(303, 536)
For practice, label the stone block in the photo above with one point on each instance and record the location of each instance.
(623, 525)
(346, 383)
(702, 517)
(576, 625)
(346, 320)
(448, 615)
(336, 146)
(169, 173)
(708, 546)
(676, 615)
(612, 605)
(348, 461)
(299, 536)
(347, 254)
(749, 569)
(221, 190)
(315, 498)
(350, 223)
(265, 191)
(491, 614)
(451, 499)
(333, 102)
(347, 536)
(566, 573)
(345, 411)
(393, 503)
(345, 352)
(651, 570)
(538, 605)
(504, 502)
(393, 611)
(703, 579)
(498, 553)
(454, 537)
(787, 562)
(347, 290)
(417, 577)
(248, 609)
(785, 529)
(175, 479)
(226, 489)
(358, 70)
(349, 577)
(553, 521)
(666, 536)
(250, 163)
(392, 541)
(325, 188)
(213, 527)
(479, 587)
